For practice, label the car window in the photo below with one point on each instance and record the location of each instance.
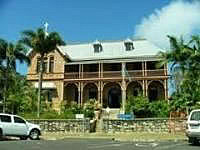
(195, 116)
(4, 118)
(18, 120)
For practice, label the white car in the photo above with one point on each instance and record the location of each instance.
(13, 125)
(193, 127)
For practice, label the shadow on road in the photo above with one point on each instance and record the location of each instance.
(8, 139)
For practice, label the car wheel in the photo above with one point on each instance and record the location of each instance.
(23, 137)
(1, 133)
(193, 141)
(34, 134)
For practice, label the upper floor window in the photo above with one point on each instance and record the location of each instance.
(71, 68)
(51, 64)
(45, 65)
(129, 45)
(97, 47)
(38, 65)
(153, 65)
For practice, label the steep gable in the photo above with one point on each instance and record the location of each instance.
(58, 58)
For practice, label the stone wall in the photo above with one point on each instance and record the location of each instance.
(144, 125)
(137, 125)
(65, 125)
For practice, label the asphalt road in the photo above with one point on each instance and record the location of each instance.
(94, 144)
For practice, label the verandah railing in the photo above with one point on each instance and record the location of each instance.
(115, 74)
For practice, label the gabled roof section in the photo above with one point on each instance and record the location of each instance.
(63, 54)
(111, 50)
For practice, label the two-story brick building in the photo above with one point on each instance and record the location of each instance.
(107, 71)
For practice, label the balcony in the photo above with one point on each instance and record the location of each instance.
(158, 72)
(115, 74)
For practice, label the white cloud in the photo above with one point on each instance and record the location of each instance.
(179, 18)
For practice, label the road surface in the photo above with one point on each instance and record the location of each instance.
(94, 144)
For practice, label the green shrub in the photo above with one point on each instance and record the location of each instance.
(141, 107)
(159, 108)
(89, 108)
(28, 115)
(49, 115)
(68, 111)
(137, 105)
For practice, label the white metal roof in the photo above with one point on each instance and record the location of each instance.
(111, 50)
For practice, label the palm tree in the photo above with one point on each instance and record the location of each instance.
(178, 58)
(195, 55)
(43, 43)
(178, 54)
(9, 54)
(185, 69)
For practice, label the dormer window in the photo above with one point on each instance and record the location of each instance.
(129, 45)
(97, 47)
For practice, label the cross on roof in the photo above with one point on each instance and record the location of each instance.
(46, 26)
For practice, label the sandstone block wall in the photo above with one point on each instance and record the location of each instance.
(67, 125)
(144, 125)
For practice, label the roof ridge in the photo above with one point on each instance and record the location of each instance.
(102, 41)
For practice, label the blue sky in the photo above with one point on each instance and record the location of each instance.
(76, 20)
(83, 20)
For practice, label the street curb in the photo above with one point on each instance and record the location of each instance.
(150, 140)
(111, 137)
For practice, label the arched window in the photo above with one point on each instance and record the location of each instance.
(45, 65)
(51, 64)
(38, 65)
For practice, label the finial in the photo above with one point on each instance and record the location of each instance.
(46, 27)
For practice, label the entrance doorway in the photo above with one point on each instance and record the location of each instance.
(156, 91)
(114, 98)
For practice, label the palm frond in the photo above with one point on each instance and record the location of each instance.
(29, 33)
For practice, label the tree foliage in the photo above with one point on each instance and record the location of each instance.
(41, 42)
(9, 54)
(141, 107)
(184, 58)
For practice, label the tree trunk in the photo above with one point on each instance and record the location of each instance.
(4, 100)
(4, 94)
(5, 85)
(40, 85)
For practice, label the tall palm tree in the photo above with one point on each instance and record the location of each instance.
(177, 58)
(9, 54)
(185, 69)
(178, 54)
(43, 43)
(195, 55)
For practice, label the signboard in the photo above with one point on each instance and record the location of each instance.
(125, 116)
(79, 116)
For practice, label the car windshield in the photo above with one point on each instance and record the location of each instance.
(195, 116)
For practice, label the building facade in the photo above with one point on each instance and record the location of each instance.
(107, 72)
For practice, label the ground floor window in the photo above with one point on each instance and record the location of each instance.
(92, 94)
(49, 94)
